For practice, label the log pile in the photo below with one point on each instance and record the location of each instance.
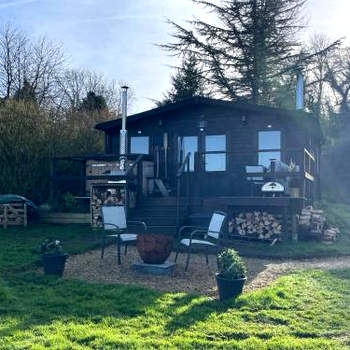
(257, 224)
(313, 225)
(100, 197)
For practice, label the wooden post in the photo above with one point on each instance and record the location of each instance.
(294, 228)
(5, 215)
(25, 219)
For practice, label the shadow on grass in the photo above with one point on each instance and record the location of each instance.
(31, 300)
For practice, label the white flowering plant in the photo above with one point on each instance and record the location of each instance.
(51, 247)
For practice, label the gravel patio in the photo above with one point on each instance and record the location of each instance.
(199, 279)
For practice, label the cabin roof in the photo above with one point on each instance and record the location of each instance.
(308, 119)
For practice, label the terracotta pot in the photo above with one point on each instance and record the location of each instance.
(154, 248)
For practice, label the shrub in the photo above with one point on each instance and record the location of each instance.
(231, 265)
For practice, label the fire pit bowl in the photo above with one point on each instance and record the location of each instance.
(154, 248)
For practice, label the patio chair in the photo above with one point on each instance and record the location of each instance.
(115, 226)
(202, 236)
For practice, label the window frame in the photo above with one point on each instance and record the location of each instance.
(267, 150)
(139, 136)
(224, 152)
(192, 156)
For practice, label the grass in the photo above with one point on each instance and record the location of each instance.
(337, 214)
(19, 245)
(304, 310)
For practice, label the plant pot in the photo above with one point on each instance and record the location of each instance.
(154, 248)
(54, 263)
(229, 288)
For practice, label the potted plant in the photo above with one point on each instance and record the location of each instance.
(52, 257)
(232, 274)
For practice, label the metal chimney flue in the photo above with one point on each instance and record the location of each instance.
(299, 92)
(123, 132)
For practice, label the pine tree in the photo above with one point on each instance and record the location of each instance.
(93, 102)
(253, 40)
(26, 92)
(187, 82)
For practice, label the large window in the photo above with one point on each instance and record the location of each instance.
(215, 153)
(187, 144)
(139, 144)
(269, 147)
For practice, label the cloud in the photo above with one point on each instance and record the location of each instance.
(7, 4)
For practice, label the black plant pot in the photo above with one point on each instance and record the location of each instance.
(54, 263)
(229, 288)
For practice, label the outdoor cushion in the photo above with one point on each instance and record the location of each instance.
(125, 237)
(186, 241)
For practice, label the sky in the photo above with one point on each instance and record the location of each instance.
(118, 37)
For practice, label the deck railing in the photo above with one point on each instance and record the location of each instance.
(184, 168)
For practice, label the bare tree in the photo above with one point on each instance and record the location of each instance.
(22, 60)
(75, 84)
(318, 93)
(13, 56)
(338, 77)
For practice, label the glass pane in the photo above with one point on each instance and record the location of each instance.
(139, 144)
(187, 144)
(215, 162)
(264, 157)
(215, 143)
(269, 140)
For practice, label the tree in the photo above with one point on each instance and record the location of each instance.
(187, 82)
(38, 63)
(93, 102)
(252, 42)
(26, 93)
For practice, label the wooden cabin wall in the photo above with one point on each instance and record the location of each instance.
(241, 130)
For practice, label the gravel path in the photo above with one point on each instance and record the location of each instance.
(199, 278)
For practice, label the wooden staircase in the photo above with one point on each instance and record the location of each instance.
(160, 214)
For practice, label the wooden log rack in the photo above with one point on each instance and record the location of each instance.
(283, 209)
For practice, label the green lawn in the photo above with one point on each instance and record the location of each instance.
(19, 246)
(304, 310)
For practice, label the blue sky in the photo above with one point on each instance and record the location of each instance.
(116, 37)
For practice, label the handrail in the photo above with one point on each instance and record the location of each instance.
(138, 159)
(180, 172)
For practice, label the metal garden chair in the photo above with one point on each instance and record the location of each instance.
(115, 226)
(202, 236)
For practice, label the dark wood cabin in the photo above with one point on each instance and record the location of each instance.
(206, 154)
(223, 138)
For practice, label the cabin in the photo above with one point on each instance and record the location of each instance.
(202, 154)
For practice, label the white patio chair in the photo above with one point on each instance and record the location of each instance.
(115, 226)
(202, 236)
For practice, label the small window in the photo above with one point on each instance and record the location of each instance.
(269, 147)
(215, 149)
(139, 144)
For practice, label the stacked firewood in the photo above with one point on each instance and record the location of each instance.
(257, 224)
(313, 225)
(98, 199)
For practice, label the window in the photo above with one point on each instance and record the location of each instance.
(139, 144)
(269, 147)
(187, 144)
(215, 153)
